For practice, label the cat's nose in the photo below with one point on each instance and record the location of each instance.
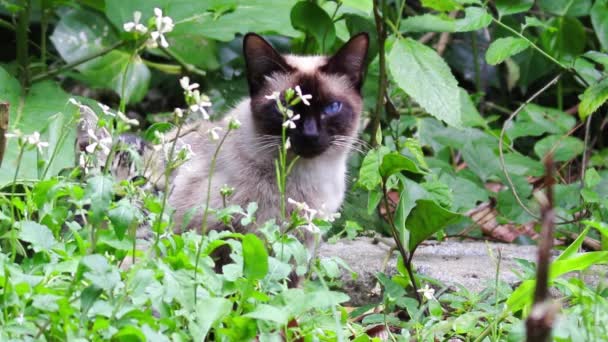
(310, 129)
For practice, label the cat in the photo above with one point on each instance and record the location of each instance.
(322, 138)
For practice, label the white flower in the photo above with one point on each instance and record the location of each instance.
(234, 123)
(77, 103)
(135, 24)
(127, 120)
(329, 217)
(178, 112)
(427, 292)
(291, 118)
(200, 102)
(103, 143)
(274, 96)
(163, 25)
(303, 97)
(16, 134)
(105, 109)
(20, 319)
(309, 213)
(185, 83)
(287, 144)
(213, 133)
(34, 140)
(187, 150)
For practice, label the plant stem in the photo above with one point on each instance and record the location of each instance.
(204, 226)
(382, 80)
(187, 66)
(23, 22)
(501, 154)
(407, 257)
(69, 66)
(4, 117)
(44, 24)
(477, 69)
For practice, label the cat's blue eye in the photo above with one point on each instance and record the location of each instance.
(332, 108)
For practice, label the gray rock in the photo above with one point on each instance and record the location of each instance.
(452, 262)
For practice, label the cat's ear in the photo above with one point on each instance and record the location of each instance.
(350, 59)
(261, 60)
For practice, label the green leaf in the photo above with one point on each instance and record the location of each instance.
(503, 48)
(36, 112)
(428, 23)
(99, 191)
(593, 98)
(369, 173)
(536, 120)
(563, 148)
(592, 178)
(481, 159)
(123, 216)
(100, 273)
(475, 19)
(271, 313)
(46, 302)
(39, 236)
(308, 17)
(470, 114)
(80, 34)
(362, 5)
(255, 257)
(573, 8)
(508, 7)
(424, 76)
(210, 311)
(441, 5)
(426, 219)
(246, 16)
(599, 19)
(396, 162)
(567, 41)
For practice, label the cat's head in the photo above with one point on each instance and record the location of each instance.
(333, 81)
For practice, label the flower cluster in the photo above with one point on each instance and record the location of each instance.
(161, 25)
(291, 97)
(28, 140)
(310, 214)
(197, 102)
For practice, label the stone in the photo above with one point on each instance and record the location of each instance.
(453, 263)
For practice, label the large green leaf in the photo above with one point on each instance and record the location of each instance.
(507, 7)
(39, 236)
(308, 17)
(38, 111)
(599, 19)
(593, 97)
(503, 48)
(574, 8)
(567, 41)
(80, 34)
(396, 162)
(426, 219)
(475, 18)
(423, 75)
(99, 192)
(255, 257)
(209, 311)
(369, 173)
(247, 16)
(535, 120)
(563, 148)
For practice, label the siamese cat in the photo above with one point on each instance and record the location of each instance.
(322, 138)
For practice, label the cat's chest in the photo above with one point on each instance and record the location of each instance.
(320, 183)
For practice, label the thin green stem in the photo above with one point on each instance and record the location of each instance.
(44, 24)
(23, 22)
(382, 79)
(191, 68)
(167, 174)
(63, 135)
(70, 66)
(534, 46)
(7, 25)
(204, 222)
